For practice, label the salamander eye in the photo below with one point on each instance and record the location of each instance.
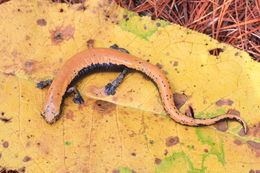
(43, 114)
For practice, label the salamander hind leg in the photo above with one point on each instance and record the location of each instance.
(77, 97)
(44, 84)
(110, 88)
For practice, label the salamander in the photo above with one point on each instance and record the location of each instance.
(96, 58)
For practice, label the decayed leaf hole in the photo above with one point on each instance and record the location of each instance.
(216, 51)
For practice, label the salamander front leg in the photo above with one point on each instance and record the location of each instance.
(110, 88)
(44, 84)
(77, 97)
(115, 46)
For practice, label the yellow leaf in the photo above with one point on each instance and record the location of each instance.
(127, 132)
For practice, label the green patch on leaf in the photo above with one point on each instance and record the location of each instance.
(177, 161)
(67, 143)
(125, 170)
(140, 26)
(219, 111)
(216, 145)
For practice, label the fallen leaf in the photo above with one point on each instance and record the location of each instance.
(127, 132)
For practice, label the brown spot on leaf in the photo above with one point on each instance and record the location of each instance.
(133, 154)
(238, 142)
(176, 63)
(29, 66)
(14, 53)
(115, 171)
(170, 141)
(28, 144)
(26, 159)
(104, 107)
(5, 144)
(5, 170)
(41, 22)
(222, 102)
(179, 99)
(27, 37)
(236, 54)
(5, 120)
(69, 115)
(255, 130)
(90, 43)
(216, 51)
(22, 169)
(165, 72)
(157, 161)
(81, 8)
(254, 171)
(165, 152)
(160, 66)
(233, 112)
(255, 146)
(206, 150)
(2, 1)
(221, 126)
(251, 171)
(62, 33)
(125, 16)
(9, 74)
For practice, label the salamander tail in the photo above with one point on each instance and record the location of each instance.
(190, 121)
(217, 119)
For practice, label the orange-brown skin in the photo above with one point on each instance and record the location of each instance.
(106, 55)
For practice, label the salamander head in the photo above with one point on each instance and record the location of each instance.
(50, 114)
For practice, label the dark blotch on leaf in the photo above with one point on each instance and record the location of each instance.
(170, 141)
(238, 142)
(133, 154)
(221, 126)
(26, 159)
(6, 120)
(160, 66)
(104, 107)
(5, 170)
(5, 144)
(157, 161)
(58, 36)
(216, 52)
(222, 102)
(179, 99)
(41, 22)
(90, 43)
(115, 171)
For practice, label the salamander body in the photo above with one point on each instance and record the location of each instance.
(105, 57)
